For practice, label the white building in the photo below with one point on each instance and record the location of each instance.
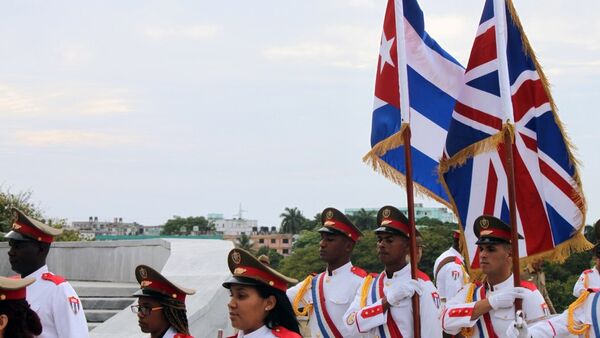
(235, 226)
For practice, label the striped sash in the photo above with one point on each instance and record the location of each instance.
(486, 329)
(595, 323)
(326, 325)
(389, 329)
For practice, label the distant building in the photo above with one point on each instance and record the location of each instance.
(234, 227)
(116, 227)
(441, 213)
(282, 243)
(151, 230)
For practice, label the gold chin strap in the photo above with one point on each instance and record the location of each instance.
(300, 298)
(574, 328)
(364, 291)
(469, 331)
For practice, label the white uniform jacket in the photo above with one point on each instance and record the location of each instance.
(371, 319)
(457, 314)
(265, 332)
(451, 276)
(338, 288)
(589, 279)
(57, 305)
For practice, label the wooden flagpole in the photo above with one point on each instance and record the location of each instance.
(512, 207)
(413, 231)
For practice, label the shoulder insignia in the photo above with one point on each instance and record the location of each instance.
(422, 275)
(56, 279)
(74, 303)
(588, 271)
(528, 285)
(182, 335)
(359, 272)
(371, 311)
(457, 260)
(374, 274)
(282, 332)
(460, 312)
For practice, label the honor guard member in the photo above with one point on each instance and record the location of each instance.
(326, 296)
(590, 278)
(259, 307)
(487, 309)
(51, 296)
(17, 319)
(382, 306)
(161, 305)
(449, 270)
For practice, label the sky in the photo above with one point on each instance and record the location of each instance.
(149, 109)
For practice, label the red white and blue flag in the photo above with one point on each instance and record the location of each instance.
(506, 91)
(417, 83)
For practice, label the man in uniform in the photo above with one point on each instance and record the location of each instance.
(382, 306)
(487, 309)
(448, 270)
(51, 296)
(326, 296)
(590, 278)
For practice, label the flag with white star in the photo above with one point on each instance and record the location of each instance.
(417, 83)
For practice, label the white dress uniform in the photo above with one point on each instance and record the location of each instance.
(451, 277)
(339, 289)
(265, 332)
(589, 279)
(457, 314)
(372, 321)
(57, 305)
(171, 333)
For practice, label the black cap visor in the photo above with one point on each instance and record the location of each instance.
(18, 236)
(242, 281)
(388, 230)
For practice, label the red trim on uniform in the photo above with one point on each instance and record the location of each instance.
(498, 233)
(461, 312)
(552, 327)
(528, 285)
(359, 272)
(263, 276)
(371, 311)
(457, 260)
(423, 276)
(343, 227)
(391, 223)
(56, 279)
(182, 335)
(282, 332)
(374, 274)
(486, 318)
(164, 288)
(13, 294)
(394, 330)
(32, 232)
(323, 308)
(588, 271)
(444, 319)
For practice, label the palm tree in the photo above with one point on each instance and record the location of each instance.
(292, 221)
(244, 242)
(364, 219)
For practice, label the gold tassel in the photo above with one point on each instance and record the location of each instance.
(364, 291)
(577, 329)
(300, 298)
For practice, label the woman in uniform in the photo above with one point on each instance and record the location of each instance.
(259, 307)
(17, 319)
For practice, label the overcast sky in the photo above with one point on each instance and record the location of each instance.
(148, 109)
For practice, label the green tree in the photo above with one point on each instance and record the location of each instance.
(274, 257)
(244, 242)
(184, 226)
(364, 219)
(292, 221)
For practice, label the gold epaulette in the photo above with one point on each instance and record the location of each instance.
(300, 298)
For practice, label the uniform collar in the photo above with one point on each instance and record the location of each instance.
(263, 331)
(344, 268)
(37, 274)
(170, 332)
(402, 273)
(508, 283)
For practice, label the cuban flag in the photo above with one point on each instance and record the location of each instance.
(506, 91)
(416, 85)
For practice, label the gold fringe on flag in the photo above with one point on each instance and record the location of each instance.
(373, 159)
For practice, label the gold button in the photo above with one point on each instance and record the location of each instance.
(271, 283)
(2, 297)
(174, 295)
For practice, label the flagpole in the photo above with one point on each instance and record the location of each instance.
(412, 228)
(512, 207)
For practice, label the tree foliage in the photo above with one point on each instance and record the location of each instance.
(364, 219)
(274, 257)
(184, 226)
(244, 242)
(293, 221)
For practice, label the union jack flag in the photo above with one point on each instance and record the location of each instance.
(417, 83)
(506, 91)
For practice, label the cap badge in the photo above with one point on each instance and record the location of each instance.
(145, 283)
(239, 271)
(387, 213)
(485, 232)
(329, 214)
(484, 223)
(236, 257)
(143, 273)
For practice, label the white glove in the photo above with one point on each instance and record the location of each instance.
(398, 292)
(517, 329)
(506, 298)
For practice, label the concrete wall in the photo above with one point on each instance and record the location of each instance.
(111, 261)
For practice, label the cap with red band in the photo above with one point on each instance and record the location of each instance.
(491, 230)
(392, 220)
(14, 288)
(153, 284)
(335, 222)
(248, 270)
(27, 228)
